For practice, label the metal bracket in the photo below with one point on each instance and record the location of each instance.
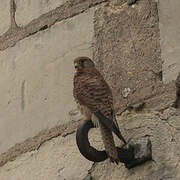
(135, 153)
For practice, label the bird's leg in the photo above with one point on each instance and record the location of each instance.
(95, 120)
(85, 112)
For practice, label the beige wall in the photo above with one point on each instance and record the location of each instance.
(4, 16)
(36, 78)
(27, 10)
(36, 73)
(169, 24)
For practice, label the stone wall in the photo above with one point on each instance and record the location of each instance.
(37, 69)
(127, 52)
(169, 29)
(135, 46)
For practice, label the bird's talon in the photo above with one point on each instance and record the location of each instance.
(114, 160)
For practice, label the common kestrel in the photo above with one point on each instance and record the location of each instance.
(95, 101)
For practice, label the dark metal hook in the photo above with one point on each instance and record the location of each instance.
(131, 156)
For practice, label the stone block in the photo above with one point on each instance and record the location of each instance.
(170, 39)
(56, 159)
(36, 79)
(4, 16)
(28, 10)
(127, 51)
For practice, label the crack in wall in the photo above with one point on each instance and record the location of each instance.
(12, 14)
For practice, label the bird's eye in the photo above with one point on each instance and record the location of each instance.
(75, 65)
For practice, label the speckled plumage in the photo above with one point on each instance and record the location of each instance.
(93, 95)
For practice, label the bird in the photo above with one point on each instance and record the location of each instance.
(95, 101)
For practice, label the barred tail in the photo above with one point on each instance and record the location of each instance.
(109, 144)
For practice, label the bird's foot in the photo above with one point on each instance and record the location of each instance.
(113, 159)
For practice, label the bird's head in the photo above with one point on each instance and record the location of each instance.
(81, 63)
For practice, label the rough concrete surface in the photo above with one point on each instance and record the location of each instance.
(60, 159)
(52, 161)
(34, 143)
(169, 25)
(36, 79)
(57, 159)
(127, 52)
(28, 10)
(164, 132)
(4, 16)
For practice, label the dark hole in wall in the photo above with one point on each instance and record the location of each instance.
(177, 102)
(131, 2)
(43, 28)
(160, 76)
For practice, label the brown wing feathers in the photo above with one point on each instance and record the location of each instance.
(97, 96)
